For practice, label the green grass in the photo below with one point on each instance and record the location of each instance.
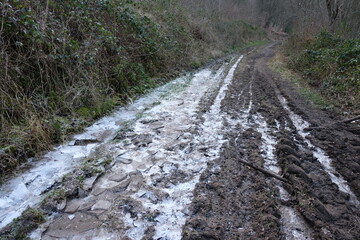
(277, 63)
(246, 45)
(329, 64)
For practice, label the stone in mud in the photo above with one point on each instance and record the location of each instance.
(122, 186)
(87, 203)
(73, 206)
(101, 205)
(137, 181)
(88, 183)
(118, 177)
(97, 191)
(61, 205)
(63, 227)
(124, 160)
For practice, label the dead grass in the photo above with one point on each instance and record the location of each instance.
(278, 64)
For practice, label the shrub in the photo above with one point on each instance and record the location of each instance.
(331, 64)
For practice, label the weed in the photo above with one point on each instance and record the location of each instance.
(66, 63)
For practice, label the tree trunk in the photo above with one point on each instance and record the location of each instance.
(334, 10)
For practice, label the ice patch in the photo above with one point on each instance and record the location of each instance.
(190, 160)
(67, 157)
(293, 226)
(300, 124)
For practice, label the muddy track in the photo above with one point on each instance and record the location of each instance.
(175, 169)
(236, 202)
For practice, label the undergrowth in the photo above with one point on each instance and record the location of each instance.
(29, 220)
(65, 63)
(278, 64)
(330, 64)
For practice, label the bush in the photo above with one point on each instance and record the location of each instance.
(331, 64)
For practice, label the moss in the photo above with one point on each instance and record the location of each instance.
(29, 220)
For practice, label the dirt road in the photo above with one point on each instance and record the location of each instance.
(175, 170)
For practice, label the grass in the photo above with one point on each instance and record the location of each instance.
(29, 220)
(278, 64)
(246, 45)
(329, 64)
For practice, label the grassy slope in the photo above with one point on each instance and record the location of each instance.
(326, 69)
(65, 63)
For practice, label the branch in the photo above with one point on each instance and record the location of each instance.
(344, 121)
(271, 174)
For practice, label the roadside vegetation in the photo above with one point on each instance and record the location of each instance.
(322, 47)
(329, 64)
(279, 64)
(66, 63)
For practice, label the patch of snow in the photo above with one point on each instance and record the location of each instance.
(25, 189)
(300, 124)
(178, 120)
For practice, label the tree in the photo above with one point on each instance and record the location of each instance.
(334, 9)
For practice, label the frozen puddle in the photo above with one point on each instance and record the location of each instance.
(25, 190)
(156, 164)
(189, 160)
(300, 124)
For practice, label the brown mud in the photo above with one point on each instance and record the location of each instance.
(233, 201)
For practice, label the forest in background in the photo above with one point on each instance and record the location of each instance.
(323, 45)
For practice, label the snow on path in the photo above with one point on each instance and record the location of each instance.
(300, 124)
(25, 190)
(191, 161)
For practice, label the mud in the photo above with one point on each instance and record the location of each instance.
(235, 202)
(175, 171)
